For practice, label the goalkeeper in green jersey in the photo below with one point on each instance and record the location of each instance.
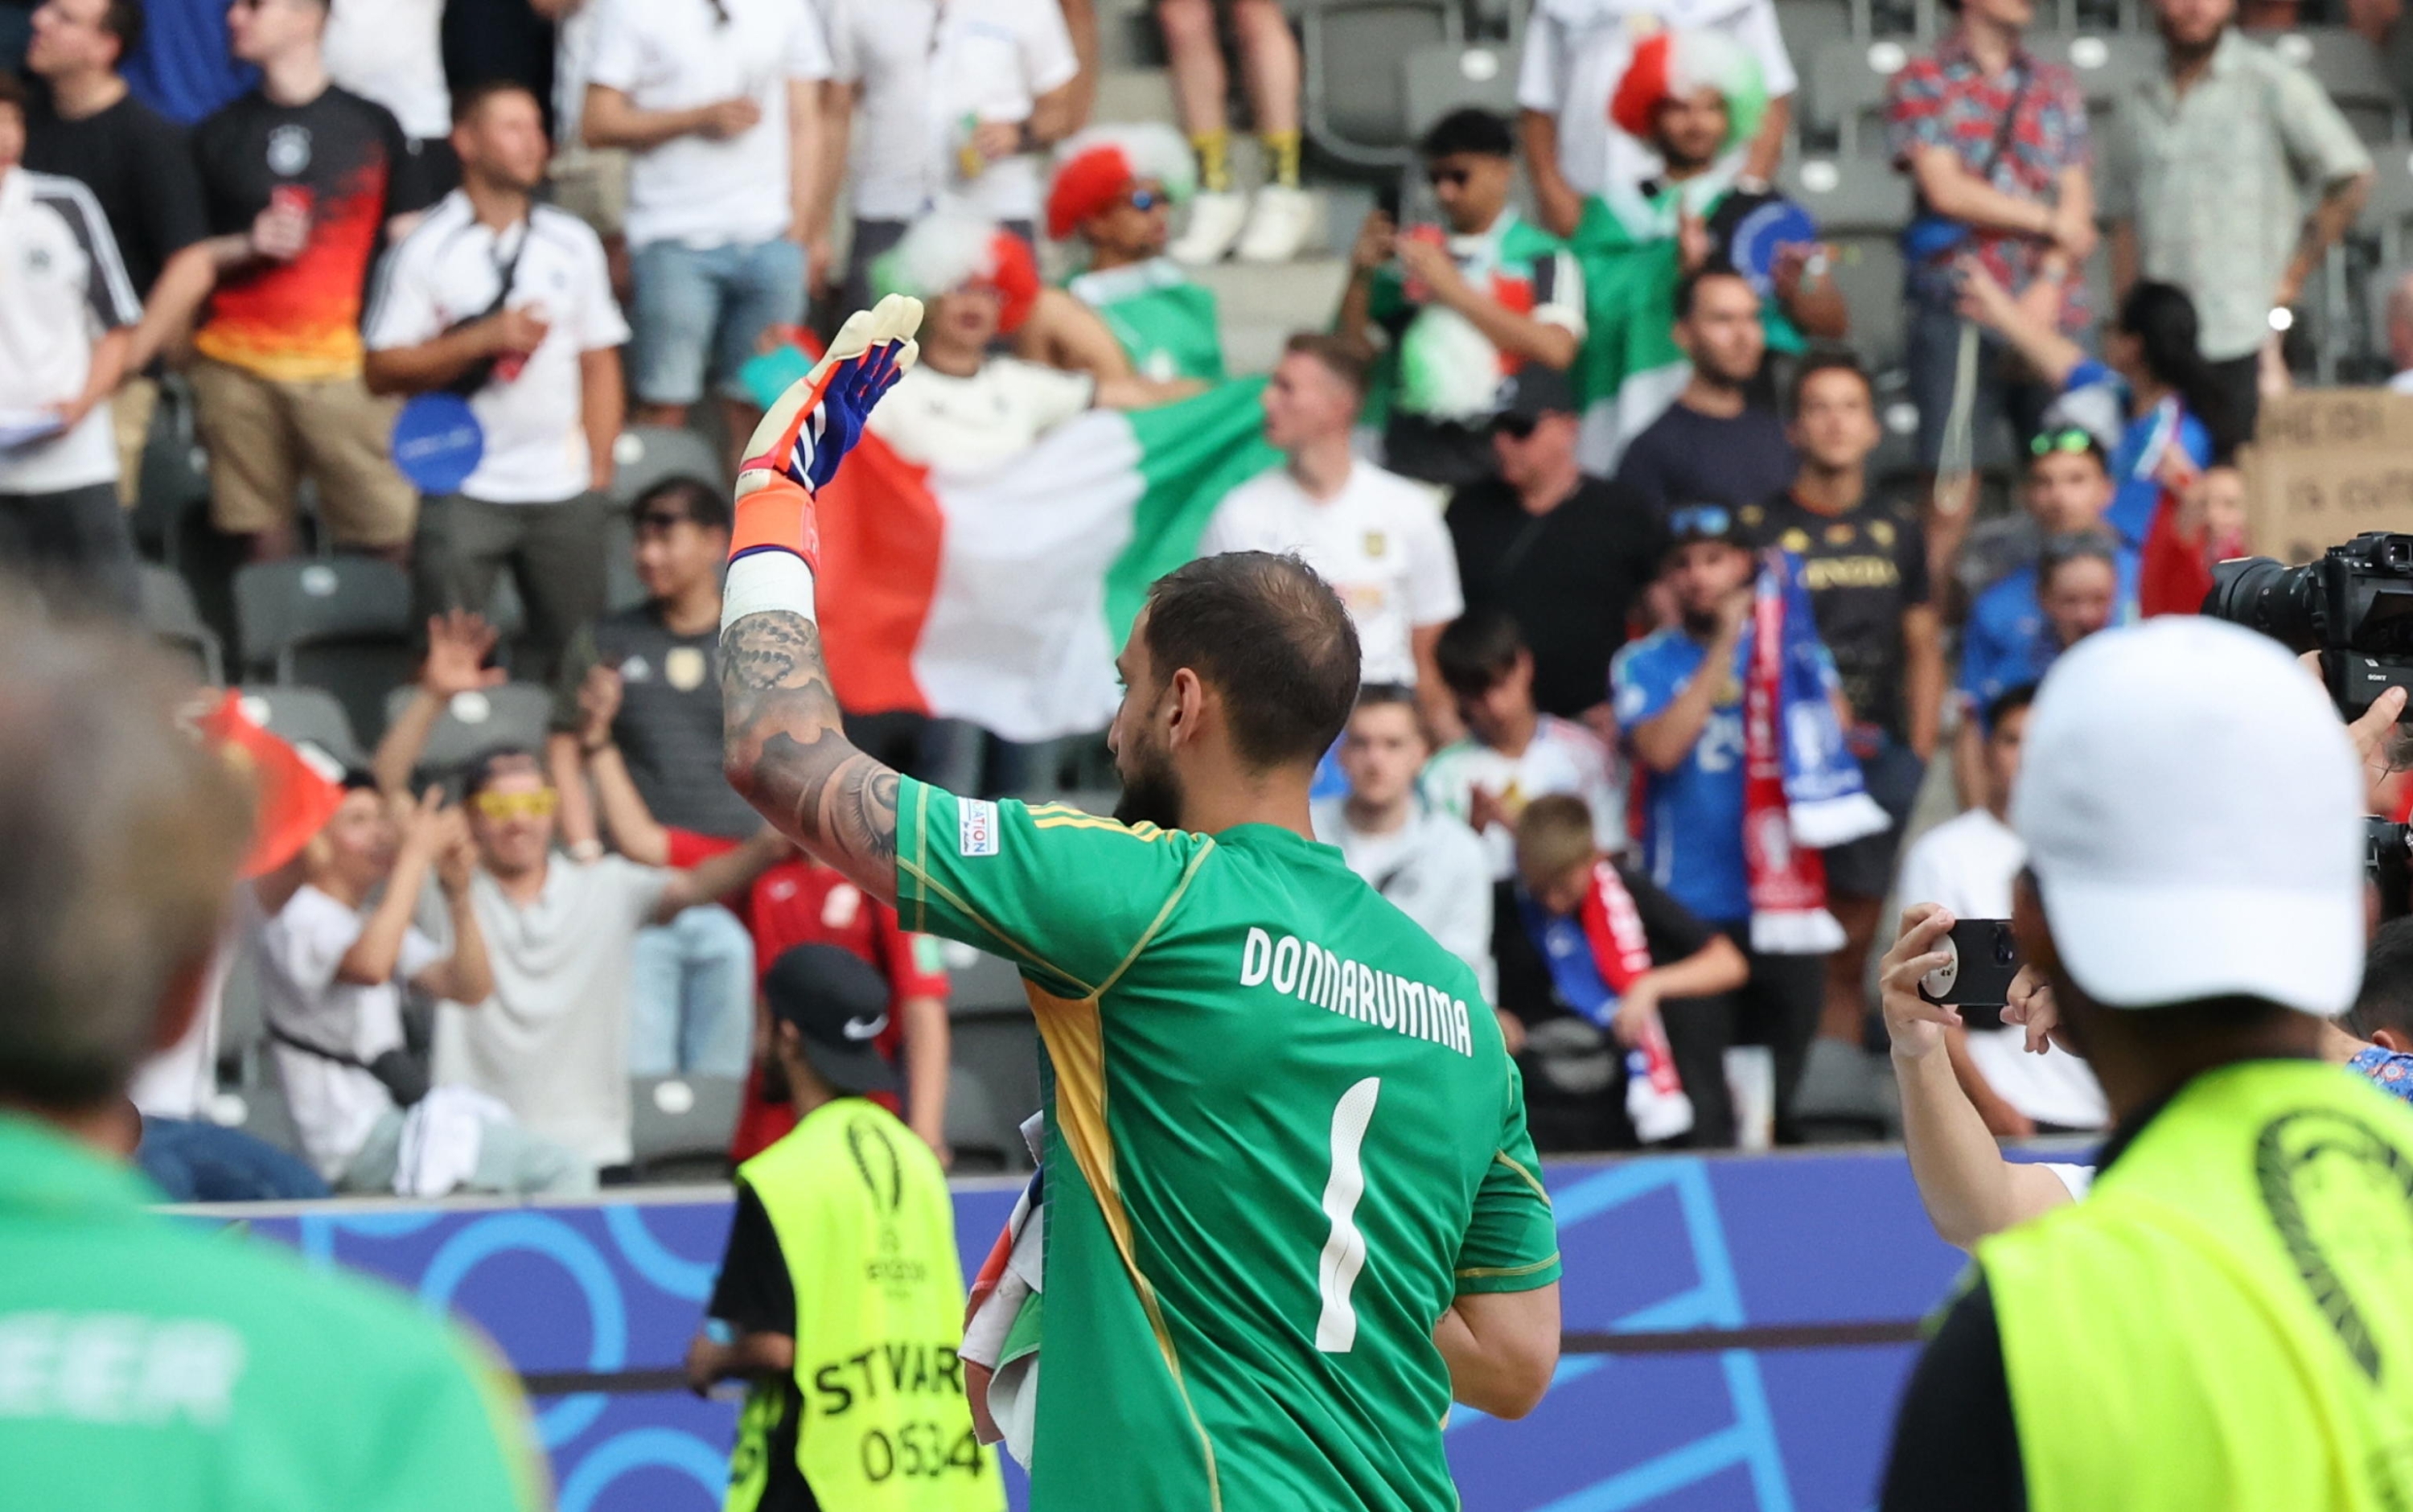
(1293, 1209)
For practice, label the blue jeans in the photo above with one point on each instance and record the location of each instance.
(698, 311)
(691, 996)
(193, 1161)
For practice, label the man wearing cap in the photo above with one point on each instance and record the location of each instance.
(2222, 1323)
(1679, 708)
(1567, 554)
(1114, 192)
(1482, 296)
(840, 1296)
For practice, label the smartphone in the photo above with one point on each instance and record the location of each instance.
(1386, 199)
(1985, 958)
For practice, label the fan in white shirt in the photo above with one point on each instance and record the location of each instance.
(1374, 536)
(1427, 864)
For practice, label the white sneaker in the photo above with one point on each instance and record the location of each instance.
(1278, 226)
(1216, 217)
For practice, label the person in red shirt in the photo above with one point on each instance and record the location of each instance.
(799, 901)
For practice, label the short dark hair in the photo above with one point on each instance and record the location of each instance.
(2385, 1000)
(13, 93)
(1688, 288)
(467, 99)
(1478, 650)
(1270, 636)
(2007, 702)
(1469, 130)
(1385, 695)
(483, 770)
(125, 20)
(2072, 546)
(1827, 359)
(705, 503)
(1343, 358)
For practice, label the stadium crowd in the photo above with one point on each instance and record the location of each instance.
(1542, 449)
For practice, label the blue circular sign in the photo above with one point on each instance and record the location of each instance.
(437, 443)
(1765, 231)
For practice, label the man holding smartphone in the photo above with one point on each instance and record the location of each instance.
(2194, 897)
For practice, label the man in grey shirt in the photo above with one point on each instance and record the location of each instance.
(1431, 867)
(2209, 166)
(692, 1002)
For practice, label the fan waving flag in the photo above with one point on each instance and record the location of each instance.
(1001, 594)
(295, 798)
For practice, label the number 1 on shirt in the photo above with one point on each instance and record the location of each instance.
(1344, 1249)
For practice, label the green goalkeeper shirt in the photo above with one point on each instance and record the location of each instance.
(1283, 1134)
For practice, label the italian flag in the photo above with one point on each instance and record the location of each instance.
(1630, 369)
(1001, 594)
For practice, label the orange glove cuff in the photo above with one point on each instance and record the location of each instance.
(778, 516)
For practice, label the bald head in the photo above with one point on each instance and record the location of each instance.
(120, 838)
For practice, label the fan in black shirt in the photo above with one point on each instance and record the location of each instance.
(1712, 445)
(1563, 554)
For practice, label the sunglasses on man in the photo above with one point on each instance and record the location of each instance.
(2068, 440)
(502, 808)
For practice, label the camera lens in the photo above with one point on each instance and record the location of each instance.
(2263, 595)
(2006, 946)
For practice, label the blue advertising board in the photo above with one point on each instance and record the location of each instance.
(1652, 1245)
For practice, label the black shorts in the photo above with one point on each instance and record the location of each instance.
(1864, 868)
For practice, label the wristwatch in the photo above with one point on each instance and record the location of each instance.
(586, 851)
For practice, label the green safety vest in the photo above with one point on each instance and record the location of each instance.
(868, 1232)
(2226, 1321)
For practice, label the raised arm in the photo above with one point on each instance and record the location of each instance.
(720, 876)
(458, 644)
(784, 743)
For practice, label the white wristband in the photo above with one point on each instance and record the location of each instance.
(766, 583)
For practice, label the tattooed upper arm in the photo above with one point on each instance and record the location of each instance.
(785, 750)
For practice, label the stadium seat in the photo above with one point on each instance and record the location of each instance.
(985, 1140)
(1846, 86)
(1355, 55)
(647, 454)
(171, 616)
(2108, 68)
(243, 1019)
(1447, 77)
(1848, 197)
(173, 482)
(474, 722)
(2387, 213)
(1000, 1054)
(978, 982)
(304, 714)
(621, 589)
(1809, 24)
(680, 1127)
(342, 623)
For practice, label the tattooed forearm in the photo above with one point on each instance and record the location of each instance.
(785, 750)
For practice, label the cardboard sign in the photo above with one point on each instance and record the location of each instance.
(2328, 465)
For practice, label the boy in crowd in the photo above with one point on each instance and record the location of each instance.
(1968, 864)
(2079, 590)
(1465, 303)
(2070, 488)
(1587, 944)
(1679, 700)
(1428, 862)
(1513, 752)
(1865, 563)
(333, 965)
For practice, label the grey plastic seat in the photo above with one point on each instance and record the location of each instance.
(1355, 55)
(648, 454)
(476, 722)
(300, 715)
(1446, 77)
(680, 1126)
(171, 616)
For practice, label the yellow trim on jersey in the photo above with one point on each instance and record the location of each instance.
(930, 885)
(1478, 1272)
(921, 848)
(1539, 1191)
(1206, 848)
(1081, 820)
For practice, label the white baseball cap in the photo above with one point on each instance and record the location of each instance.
(2192, 813)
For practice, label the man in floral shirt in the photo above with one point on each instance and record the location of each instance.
(1995, 143)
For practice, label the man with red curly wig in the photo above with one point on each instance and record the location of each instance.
(1114, 191)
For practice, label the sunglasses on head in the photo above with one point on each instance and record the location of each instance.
(504, 807)
(1144, 200)
(2069, 439)
(1700, 521)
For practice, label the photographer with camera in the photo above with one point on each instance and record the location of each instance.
(2194, 898)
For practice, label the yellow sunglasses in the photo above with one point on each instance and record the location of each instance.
(502, 806)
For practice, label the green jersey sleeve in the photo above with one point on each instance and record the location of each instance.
(1512, 1242)
(1066, 896)
(464, 1399)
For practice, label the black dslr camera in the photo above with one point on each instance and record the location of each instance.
(2354, 606)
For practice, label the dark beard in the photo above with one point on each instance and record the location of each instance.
(1152, 794)
(775, 1087)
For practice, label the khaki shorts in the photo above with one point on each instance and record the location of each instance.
(130, 409)
(263, 435)
(592, 183)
